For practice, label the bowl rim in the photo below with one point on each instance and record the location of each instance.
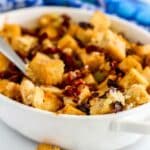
(121, 114)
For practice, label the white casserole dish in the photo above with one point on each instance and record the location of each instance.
(101, 132)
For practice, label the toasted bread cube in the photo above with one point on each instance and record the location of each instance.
(50, 31)
(146, 73)
(71, 110)
(44, 146)
(23, 44)
(115, 47)
(72, 30)
(10, 89)
(45, 70)
(93, 60)
(100, 21)
(89, 79)
(67, 42)
(84, 94)
(27, 91)
(4, 63)
(141, 50)
(128, 63)
(11, 30)
(50, 102)
(100, 106)
(133, 77)
(84, 35)
(137, 94)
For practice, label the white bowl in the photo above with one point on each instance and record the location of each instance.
(101, 132)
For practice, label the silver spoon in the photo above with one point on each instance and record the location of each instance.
(8, 52)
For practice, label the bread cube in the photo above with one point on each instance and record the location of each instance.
(4, 63)
(93, 60)
(49, 102)
(67, 42)
(71, 110)
(113, 45)
(44, 146)
(137, 94)
(100, 21)
(10, 89)
(133, 77)
(128, 63)
(84, 94)
(11, 30)
(146, 73)
(100, 106)
(50, 31)
(23, 44)
(45, 70)
(89, 79)
(27, 89)
(141, 50)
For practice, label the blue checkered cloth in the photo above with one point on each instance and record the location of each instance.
(133, 10)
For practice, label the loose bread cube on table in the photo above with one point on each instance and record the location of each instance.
(45, 70)
(133, 77)
(128, 63)
(43, 146)
(100, 21)
(23, 44)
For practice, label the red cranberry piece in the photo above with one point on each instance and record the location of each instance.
(92, 48)
(86, 25)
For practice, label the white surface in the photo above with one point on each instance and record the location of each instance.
(10, 140)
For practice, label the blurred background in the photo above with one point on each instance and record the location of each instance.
(137, 11)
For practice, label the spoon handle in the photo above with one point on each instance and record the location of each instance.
(6, 50)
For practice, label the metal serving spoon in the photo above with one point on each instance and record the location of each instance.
(7, 51)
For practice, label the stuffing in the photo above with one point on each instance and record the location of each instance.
(76, 68)
(67, 42)
(133, 77)
(141, 50)
(146, 73)
(23, 44)
(137, 95)
(115, 47)
(10, 89)
(71, 110)
(43, 146)
(4, 63)
(45, 70)
(128, 63)
(46, 101)
(93, 60)
(100, 21)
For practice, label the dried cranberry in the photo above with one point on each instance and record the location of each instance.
(80, 43)
(42, 37)
(71, 91)
(117, 106)
(78, 82)
(113, 64)
(66, 20)
(84, 108)
(112, 83)
(119, 72)
(92, 48)
(86, 25)
(52, 50)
